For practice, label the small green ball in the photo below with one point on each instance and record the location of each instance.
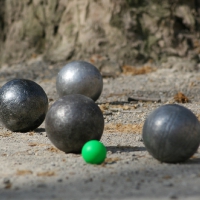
(94, 152)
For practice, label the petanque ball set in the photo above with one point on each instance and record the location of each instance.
(75, 123)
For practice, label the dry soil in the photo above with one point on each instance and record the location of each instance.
(32, 168)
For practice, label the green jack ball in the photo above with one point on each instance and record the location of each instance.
(94, 152)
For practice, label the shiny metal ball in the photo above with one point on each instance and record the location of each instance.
(79, 77)
(72, 121)
(171, 133)
(23, 105)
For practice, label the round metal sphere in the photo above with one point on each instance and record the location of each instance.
(79, 77)
(23, 105)
(72, 121)
(171, 133)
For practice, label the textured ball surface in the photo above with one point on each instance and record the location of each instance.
(171, 133)
(72, 121)
(23, 105)
(94, 152)
(79, 77)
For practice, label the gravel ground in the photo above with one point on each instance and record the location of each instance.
(32, 168)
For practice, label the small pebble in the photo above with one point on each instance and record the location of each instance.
(139, 138)
(6, 181)
(168, 184)
(173, 196)
(107, 113)
(137, 187)
(41, 185)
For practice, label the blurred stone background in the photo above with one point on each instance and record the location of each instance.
(108, 33)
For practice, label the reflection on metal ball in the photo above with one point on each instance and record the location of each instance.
(171, 133)
(72, 121)
(79, 77)
(23, 105)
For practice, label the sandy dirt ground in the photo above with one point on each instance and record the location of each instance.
(32, 168)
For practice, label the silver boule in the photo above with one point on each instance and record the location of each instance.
(79, 77)
(72, 121)
(171, 133)
(23, 105)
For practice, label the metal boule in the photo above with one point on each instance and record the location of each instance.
(171, 133)
(23, 105)
(79, 77)
(72, 121)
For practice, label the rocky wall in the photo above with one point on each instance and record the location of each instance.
(115, 32)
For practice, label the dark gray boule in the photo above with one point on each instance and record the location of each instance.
(23, 105)
(171, 133)
(79, 77)
(72, 121)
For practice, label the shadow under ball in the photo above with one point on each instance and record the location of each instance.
(23, 105)
(171, 133)
(79, 77)
(72, 121)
